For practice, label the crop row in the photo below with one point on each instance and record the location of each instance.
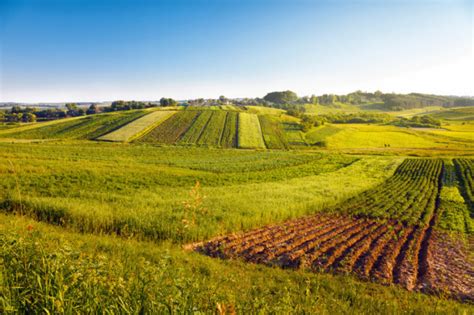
(392, 250)
(194, 132)
(384, 251)
(172, 129)
(409, 195)
(211, 128)
(465, 172)
(273, 133)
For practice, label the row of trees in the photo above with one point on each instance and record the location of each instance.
(31, 114)
(379, 100)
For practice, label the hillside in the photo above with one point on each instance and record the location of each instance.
(255, 127)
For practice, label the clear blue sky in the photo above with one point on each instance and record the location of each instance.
(72, 50)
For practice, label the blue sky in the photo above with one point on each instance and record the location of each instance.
(80, 50)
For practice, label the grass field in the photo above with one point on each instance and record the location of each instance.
(312, 109)
(379, 136)
(141, 190)
(293, 134)
(138, 127)
(456, 114)
(249, 132)
(318, 135)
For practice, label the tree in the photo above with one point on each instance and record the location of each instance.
(223, 100)
(28, 117)
(314, 99)
(93, 109)
(283, 97)
(168, 102)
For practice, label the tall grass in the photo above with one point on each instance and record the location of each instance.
(51, 270)
(140, 190)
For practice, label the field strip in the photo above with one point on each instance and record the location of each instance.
(138, 127)
(249, 132)
(38, 125)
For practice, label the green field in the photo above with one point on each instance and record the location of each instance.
(194, 132)
(273, 133)
(212, 134)
(229, 134)
(172, 129)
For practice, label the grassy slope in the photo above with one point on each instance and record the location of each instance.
(70, 272)
(138, 127)
(141, 189)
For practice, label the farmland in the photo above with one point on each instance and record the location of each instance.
(249, 132)
(90, 127)
(138, 127)
(384, 232)
(404, 248)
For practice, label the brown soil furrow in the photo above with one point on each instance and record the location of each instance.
(255, 245)
(275, 247)
(406, 269)
(365, 263)
(238, 239)
(451, 270)
(292, 257)
(328, 253)
(383, 268)
(345, 262)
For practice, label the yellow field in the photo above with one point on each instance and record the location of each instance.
(250, 133)
(265, 110)
(378, 136)
(408, 113)
(139, 127)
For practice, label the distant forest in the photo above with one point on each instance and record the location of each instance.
(280, 99)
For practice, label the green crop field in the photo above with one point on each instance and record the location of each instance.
(212, 134)
(249, 131)
(273, 132)
(138, 127)
(194, 132)
(172, 129)
(229, 134)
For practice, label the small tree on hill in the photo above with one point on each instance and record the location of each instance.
(283, 97)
